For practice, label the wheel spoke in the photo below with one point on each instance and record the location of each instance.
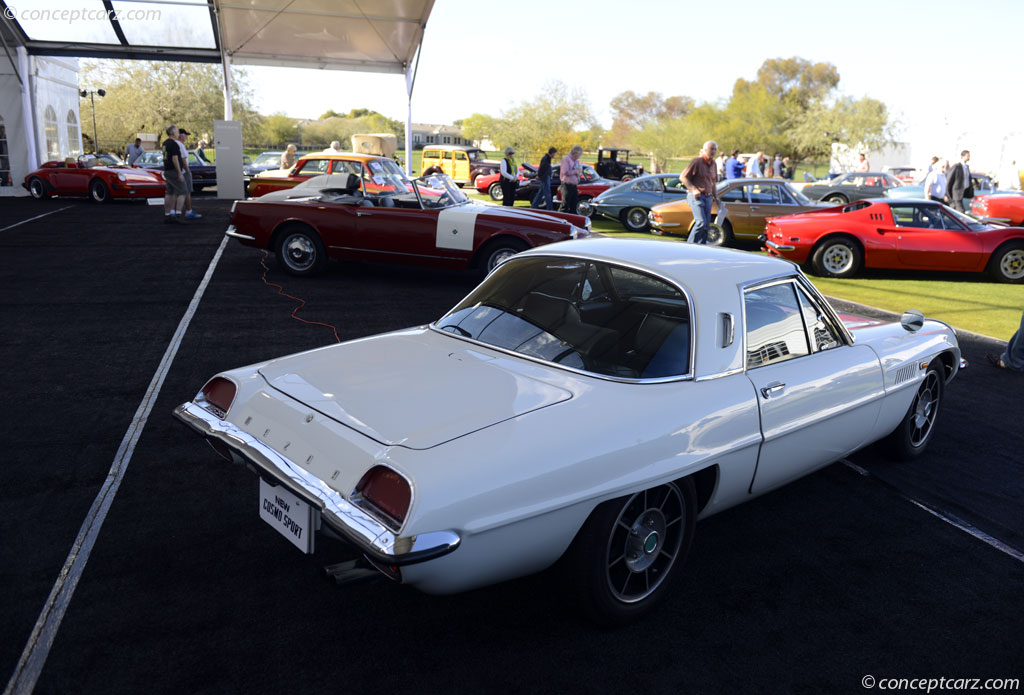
(674, 521)
(616, 561)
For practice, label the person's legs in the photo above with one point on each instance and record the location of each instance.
(701, 208)
(957, 204)
(549, 199)
(570, 196)
(539, 196)
(508, 193)
(1013, 357)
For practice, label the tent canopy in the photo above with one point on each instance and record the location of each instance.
(360, 35)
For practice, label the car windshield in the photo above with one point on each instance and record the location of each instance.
(273, 159)
(799, 197)
(475, 155)
(586, 315)
(589, 174)
(437, 191)
(972, 223)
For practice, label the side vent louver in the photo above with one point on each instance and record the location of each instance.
(905, 373)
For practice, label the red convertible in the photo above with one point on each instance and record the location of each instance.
(429, 222)
(87, 176)
(1008, 207)
(908, 234)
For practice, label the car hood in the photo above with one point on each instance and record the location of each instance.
(133, 175)
(415, 388)
(275, 173)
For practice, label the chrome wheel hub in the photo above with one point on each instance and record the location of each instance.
(499, 257)
(645, 542)
(926, 408)
(1012, 265)
(637, 217)
(299, 252)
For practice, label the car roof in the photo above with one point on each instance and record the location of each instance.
(464, 148)
(341, 155)
(690, 265)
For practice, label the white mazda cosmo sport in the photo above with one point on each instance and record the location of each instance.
(587, 403)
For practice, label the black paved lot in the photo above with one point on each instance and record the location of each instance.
(805, 590)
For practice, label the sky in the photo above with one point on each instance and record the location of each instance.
(950, 72)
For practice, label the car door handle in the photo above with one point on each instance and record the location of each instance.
(364, 214)
(771, 388)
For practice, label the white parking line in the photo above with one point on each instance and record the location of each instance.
(17, 224)
(949, 519)
(38, 648)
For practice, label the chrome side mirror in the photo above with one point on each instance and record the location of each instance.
(912, 320)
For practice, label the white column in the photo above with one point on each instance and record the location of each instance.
(27, 115)
(226, 63)
(408, 121)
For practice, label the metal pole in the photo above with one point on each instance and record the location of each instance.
(95, 143)
(408, 124)
(226, 62)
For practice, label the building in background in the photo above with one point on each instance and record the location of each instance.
(431, 134)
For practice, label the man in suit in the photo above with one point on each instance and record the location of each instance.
(958, 182)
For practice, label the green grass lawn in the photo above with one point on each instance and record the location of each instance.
(971, 301)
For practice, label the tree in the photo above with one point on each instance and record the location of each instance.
(861, 123)
(798, 81)
(331, 113)
(279, 130)
(632, 112)
(146, 97)
(554, 118)
(477, 127)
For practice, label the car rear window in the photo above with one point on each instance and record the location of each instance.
(596, 317)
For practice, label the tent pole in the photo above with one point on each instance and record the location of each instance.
(27, 115)
(226, 63)
(408, 122)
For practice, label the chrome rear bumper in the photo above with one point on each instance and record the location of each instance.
(363, 531)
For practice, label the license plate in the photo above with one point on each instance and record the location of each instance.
(288, 514)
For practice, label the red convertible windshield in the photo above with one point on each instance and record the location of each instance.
(586, 315)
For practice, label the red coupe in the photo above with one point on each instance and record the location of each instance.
(429, 222)
(1002, 206)
(87, 176)
(909, 234)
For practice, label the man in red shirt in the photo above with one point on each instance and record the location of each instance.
(700, 179)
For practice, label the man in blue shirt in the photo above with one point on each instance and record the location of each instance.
(733, 166)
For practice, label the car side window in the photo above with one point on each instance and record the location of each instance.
(648, 185)
(763, 194)
(948, 221)
(822, 334)
(674, 185)
(774, 325)
(313, 167)
(461, 156)
(734, 195)
(919, 216)
(786, 197)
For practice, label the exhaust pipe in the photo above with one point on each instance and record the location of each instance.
(352, 572)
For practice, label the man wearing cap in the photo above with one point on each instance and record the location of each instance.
(174, 177)
(189, 213)
(509, 178)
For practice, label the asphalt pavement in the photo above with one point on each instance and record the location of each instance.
(808, 589)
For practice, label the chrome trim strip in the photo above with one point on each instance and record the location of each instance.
(688, 376)
(234, 234)
(397, 253)
(779, 247)
(721, 375)
(365, 532)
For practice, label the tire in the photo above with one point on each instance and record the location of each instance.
(623, 560)
(498, 251)
(837, 257)
(635, 219)
(720, 235)
(837, 198)
(98, 192)
(1007, 263)
(36, 189)
(494, 190)
(627, 177)
(300, 252)
(911, 437)
(584, 207)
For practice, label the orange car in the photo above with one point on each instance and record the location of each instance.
(1002, 206)
(368, 167)
(748, 203)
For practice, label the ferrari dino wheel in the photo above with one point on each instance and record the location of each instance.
(836, 198)
(584, 207)
(37, 189)
(300, 252)
(1007, 264)
(98, 191)
(915, 430)
(838, 257)
(623, 559)
(497, 252)
(635, 219)
(494, 190)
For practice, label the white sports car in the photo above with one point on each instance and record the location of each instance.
(589, 402)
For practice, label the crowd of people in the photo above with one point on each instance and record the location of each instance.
(737, 166)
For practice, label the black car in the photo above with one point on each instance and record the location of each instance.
(856, 185)
(613, 163)
(203, 173)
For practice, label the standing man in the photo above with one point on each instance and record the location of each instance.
(544, 178)
(935, 183)
(733, 166)
(509, 178)
(958, 182)
(777, 166)
(187, 209)
(700, 178)
(201, 151)
(721, 166)
(174, 176)
(787, 171)
(135, 151)
(754, 166)
(569, 173)
(862, 163)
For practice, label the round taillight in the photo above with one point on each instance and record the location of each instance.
(387, 491)
(220, 393)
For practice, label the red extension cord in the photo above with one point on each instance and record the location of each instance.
(302, 302)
